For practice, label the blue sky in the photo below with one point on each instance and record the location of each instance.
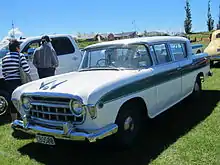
(72, 16)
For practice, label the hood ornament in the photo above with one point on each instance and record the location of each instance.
(50, 85)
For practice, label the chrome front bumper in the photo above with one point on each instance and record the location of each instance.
(68, 133)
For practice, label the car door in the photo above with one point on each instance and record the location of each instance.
(179, 52)
(69, 57)
(167, 78)
(32, 45)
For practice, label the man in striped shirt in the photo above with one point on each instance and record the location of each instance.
(11, 72)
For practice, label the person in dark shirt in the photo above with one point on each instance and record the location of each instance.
(45, 58)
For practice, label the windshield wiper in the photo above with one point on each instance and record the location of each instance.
(104, 68)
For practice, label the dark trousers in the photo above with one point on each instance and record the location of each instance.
(45, 72)
(11, 86)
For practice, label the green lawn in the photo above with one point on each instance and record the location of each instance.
(200, 144)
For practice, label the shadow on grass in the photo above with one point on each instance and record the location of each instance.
(5, 119)
(162, 132)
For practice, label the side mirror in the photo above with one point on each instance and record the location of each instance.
(30, 51)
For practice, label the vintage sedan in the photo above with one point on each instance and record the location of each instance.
(118, 85)
(213, 49)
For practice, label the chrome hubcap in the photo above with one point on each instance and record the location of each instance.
(3, 105)
(129, 124)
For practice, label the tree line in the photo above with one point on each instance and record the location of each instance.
(210, 21)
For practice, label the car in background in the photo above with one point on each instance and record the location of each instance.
(69, 56)
(213, 49)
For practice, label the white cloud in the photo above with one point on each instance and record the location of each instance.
(17, 34)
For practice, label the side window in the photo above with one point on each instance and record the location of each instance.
(63, 45)
(29, 49)
(32, 45)
(218, 35)
(143, 56)
(178, 51)
(162, 54)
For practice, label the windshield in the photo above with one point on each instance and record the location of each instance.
(113, 57)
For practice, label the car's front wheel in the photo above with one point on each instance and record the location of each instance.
(129, 121)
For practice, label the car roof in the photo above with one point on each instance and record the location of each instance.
(139, 40)
(50, 35)
(216, 32)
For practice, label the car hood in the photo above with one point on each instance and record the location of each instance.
(80, 84)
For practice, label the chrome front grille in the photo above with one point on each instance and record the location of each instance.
(53, 109)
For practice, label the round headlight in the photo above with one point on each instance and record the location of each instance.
(26, 103)
(76, 107)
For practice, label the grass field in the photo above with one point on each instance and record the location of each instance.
(187, 134)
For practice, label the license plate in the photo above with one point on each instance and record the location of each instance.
(48, 140)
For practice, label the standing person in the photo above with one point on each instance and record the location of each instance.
(45, 58)
(11, 72)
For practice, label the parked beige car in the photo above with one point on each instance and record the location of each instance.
(213, 49)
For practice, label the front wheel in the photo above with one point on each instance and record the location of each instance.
(129, 123)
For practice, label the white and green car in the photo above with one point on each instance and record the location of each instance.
(118, 85)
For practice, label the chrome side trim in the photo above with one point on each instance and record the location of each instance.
(68, 133)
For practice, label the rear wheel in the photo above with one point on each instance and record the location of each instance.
(129, 121)
(197, 88)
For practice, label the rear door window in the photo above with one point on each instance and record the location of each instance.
(178, 51)
(161, 53)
